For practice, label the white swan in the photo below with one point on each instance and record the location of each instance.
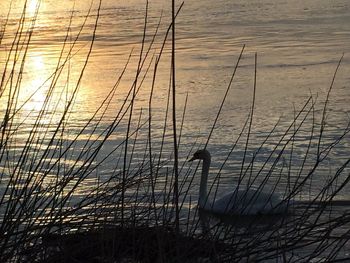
(238, 202)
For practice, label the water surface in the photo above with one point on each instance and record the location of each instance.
(298, 46)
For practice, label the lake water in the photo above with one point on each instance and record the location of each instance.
(298, 45)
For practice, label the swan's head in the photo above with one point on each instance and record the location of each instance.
(200, 155)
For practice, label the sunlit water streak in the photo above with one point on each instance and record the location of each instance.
(298, 43)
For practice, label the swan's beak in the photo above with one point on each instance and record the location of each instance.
(190, 160)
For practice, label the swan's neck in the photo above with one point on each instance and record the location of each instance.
(203, 184)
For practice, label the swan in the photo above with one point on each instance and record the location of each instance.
(240, 201)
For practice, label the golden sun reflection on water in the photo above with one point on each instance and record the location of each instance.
(34, 85)
(32, 6)
(38, 62)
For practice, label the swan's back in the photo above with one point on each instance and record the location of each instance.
(249, 202)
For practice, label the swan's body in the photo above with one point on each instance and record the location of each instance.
(238, 202)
